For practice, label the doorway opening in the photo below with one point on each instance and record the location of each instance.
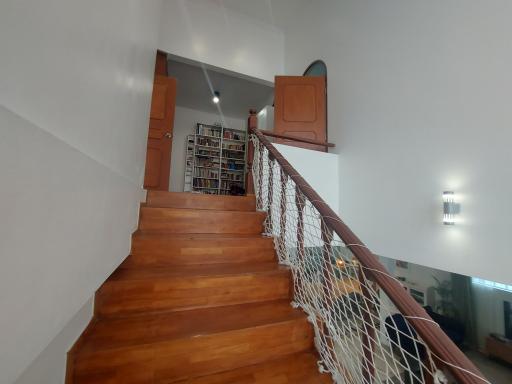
(209, 133)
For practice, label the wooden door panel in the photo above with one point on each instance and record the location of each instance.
(299, 103)
(300, 109)
(158, 157)
(153, 160)
(158, 101)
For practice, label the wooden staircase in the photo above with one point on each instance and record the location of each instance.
(201, 299)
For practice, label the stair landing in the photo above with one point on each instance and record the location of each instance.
(200, 300)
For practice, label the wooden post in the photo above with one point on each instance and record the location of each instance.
(252, 123)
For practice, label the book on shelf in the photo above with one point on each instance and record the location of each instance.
(233, 135)
(207, 173)
(234, 147)
(209, 130)
(215, 160)
(207, 142)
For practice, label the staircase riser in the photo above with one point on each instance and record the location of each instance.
(199, 201)
(165, 252)
(190, 221)
(121, 298)
(201, 355)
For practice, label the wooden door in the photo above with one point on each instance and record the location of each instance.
(300, 109)
(158, 157)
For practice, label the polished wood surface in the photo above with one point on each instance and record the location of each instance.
(200, 201)
(429, 331)
(130, 291)
(161, 122)
(297, 139)
(300, 110)
(150, 249)
(499, 349)
(161, 63)
(196, 307)
(294, 369)
(176, 220)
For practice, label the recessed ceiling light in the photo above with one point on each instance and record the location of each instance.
(216, 97)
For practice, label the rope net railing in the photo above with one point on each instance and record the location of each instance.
(360, 335)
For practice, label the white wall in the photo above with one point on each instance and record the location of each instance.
(314, 166)
(419, 102)
(185, 121)
(205, 31)
(50, 366)
(75, 90)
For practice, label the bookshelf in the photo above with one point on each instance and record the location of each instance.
(189, 163)
(218, 159)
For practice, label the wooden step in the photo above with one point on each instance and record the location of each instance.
(150, 249)
(130, 291)
(301, 368)
(200, 201)
(177, 220)
(177, 346)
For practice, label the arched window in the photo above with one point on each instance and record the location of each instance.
(316, 68)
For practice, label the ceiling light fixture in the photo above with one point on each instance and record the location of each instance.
(216, 97)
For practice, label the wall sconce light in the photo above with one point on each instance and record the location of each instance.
(450, 208)
(216, 97)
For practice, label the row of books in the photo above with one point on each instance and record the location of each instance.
(234, 147)
(231, 135)
(206, 152)
(208, 131)
(205, 183)
(206, 172)
(233, 155)
(233, 166)
(207, 142)
(232, 176)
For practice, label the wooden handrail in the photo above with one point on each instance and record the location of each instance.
(296, 138)
(443, 348)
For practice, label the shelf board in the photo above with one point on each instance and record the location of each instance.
(232, 158)
(207, 156)
(206, 178)
(208, 146)
(210, 137)
(233, 150)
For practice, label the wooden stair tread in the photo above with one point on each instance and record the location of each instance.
(131, 291)
(200, 236)
(160, 249)
(205, 270)
(200, 201)
(298, 368)
(200, 300)
(145, 329)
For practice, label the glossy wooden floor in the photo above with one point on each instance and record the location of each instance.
(200, 300)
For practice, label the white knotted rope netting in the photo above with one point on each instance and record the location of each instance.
(360, 335)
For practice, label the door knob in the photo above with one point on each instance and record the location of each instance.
(168, 135)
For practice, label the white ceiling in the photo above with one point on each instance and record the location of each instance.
(237, 94)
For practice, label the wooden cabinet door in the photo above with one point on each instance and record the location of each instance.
(300, 109)
(161, 122)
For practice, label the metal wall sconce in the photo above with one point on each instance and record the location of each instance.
(450, 208)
